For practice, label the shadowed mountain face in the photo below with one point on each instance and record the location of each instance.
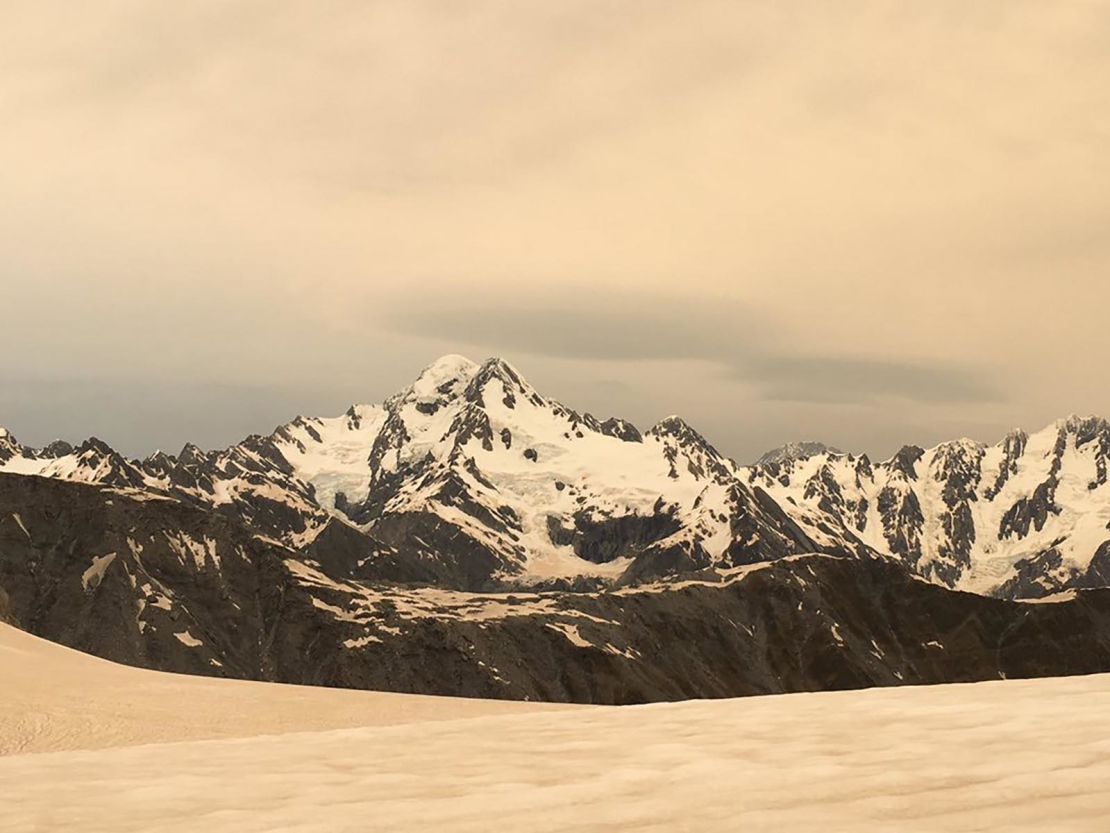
(162, 584)
(471, 479)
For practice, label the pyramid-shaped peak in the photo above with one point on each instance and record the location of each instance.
(673, 425)
(513, 386)
(497, 368)
(682, 432)
(192, 455)
(96, 446)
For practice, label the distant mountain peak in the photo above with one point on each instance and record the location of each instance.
(677, 427)
(192, 455)
(796, 451)
(9, 446)
(962, 447)
(1075, 424)
(58, 448)
(682, 432)
(96, 445)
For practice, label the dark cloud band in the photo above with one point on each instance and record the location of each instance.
(743, 341)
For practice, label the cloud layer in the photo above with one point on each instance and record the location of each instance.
(865, 222)
(744, 342)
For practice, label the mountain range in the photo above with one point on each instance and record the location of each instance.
(470, 535)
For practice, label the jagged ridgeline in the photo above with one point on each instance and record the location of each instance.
(471, 478)
(471, 522)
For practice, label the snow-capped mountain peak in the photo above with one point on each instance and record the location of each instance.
(796, 451)
(472, 476)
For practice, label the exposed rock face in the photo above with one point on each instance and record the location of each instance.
(1047, 573)
(162, 584)
(621, 429)
(9, 446)
(958, 467)
(1025, 517)
(604, 539)
(812, 623)
(150, 582)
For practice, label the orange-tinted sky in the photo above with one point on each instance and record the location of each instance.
(864, 222)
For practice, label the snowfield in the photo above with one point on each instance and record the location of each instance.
(53, 699)
(1001, 756)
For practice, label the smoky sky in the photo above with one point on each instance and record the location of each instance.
(742, 340)
(866, 222)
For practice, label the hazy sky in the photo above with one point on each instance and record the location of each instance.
(864, 222)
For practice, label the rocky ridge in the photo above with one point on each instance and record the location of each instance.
(159, 583)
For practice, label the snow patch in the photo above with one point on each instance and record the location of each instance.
(91, 578)
(19, 522)
(187, 639)
(571, 633)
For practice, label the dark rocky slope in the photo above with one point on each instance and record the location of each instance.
(162, 584)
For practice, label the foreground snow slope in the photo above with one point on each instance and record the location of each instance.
(54, 698)
(1012, 755)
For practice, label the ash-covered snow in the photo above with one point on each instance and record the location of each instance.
(1018, 756)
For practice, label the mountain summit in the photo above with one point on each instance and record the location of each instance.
(795, 451)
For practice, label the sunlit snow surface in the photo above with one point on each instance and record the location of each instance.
(1000, 756)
